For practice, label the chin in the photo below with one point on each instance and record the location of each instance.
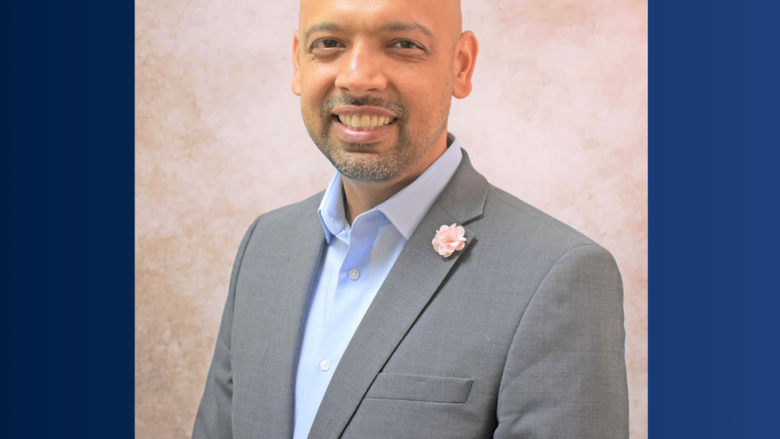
(366, 166)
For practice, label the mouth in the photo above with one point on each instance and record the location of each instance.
(363, 125)
(363, 122)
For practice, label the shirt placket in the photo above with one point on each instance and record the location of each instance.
(341, 318)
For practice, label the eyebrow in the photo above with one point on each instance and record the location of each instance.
(396, 26)
(320, 27)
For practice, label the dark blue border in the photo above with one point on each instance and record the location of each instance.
(713, 221)
(68, 161)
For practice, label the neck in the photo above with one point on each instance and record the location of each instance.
(362, 196)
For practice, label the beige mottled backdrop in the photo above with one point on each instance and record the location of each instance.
(558, 117)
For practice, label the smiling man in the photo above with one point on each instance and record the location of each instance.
(411, 298)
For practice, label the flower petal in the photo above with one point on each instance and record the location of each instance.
(449, 239)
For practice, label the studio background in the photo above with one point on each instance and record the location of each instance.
(557, 117)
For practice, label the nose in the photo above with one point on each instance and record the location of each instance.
(360, 71)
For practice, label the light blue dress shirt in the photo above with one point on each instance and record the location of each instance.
(352, 269)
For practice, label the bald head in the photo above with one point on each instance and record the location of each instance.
(442, 18)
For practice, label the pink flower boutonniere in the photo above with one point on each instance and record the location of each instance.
(449, 239)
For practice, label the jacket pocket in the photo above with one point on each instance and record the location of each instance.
(420, 388)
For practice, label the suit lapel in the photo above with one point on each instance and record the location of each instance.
(281, 332)
(408, 288)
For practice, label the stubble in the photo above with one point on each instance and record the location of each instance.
(356, 161)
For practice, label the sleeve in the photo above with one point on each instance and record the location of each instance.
(565, 373)
(213, 420)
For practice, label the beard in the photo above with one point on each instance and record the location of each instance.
(352, 160)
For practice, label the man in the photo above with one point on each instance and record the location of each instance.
(412, 298)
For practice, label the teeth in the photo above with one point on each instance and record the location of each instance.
(365, 122)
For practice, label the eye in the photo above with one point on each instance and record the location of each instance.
(327, 43)
(406, 44)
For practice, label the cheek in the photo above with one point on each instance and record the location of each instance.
(317, 84)
(316, 80)
(425, 97)
(424, 84)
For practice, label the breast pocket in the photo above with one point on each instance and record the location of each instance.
(420, 388)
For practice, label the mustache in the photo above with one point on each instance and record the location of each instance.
(396, 107)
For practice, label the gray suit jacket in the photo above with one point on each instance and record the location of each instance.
(518, 335)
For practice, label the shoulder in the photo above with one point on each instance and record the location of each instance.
(514, 236)
(279, 226)
(284, 217)
(506, 214)
(271, 233)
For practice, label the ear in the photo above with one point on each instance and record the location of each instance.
(463, 64)
(296, 82)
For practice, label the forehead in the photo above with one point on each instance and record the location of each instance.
(373, 15)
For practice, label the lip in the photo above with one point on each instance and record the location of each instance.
(370, 136)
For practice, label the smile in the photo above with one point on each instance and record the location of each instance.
(364, 122)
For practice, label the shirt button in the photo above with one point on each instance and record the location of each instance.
(325, 365)
(354, 274)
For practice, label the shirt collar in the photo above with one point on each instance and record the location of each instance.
(405, 209)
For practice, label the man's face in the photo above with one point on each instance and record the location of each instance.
(375, 80)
